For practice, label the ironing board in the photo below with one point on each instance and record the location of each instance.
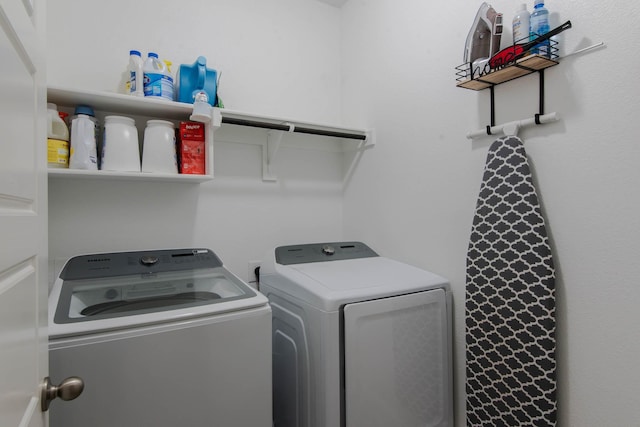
(510, 299)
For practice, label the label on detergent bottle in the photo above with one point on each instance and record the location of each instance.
(157, 84)
(131, 84)
(57, 153)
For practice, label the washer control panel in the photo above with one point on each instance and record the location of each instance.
(138, 262)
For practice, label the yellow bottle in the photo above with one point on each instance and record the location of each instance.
(57, 139)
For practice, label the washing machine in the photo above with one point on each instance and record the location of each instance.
(359, 340)
(161, 338)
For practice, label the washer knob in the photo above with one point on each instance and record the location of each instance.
(328, 250)
(148, 260)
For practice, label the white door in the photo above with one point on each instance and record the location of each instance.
(23, 213)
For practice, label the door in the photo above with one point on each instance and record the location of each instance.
(398, 361)
(23, 213)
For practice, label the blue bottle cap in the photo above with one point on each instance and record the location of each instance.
(153, 55)
(135, 52)
(84, 109)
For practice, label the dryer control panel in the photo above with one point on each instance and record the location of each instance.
(319, 252)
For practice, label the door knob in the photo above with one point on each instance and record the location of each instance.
(69, 389)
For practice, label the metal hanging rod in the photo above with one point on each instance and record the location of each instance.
(512, 128)
(289, 127)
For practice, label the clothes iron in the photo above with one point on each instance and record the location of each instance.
(483, 40)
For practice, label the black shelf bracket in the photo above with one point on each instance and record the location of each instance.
(540, 112)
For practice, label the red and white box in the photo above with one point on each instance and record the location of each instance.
(191, 148)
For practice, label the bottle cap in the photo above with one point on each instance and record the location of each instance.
(153, 55)
(135, 52)
(538, 2)
(84, 109)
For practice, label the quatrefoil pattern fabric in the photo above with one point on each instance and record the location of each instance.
(510, 299)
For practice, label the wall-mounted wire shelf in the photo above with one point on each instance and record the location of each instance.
(482, 77)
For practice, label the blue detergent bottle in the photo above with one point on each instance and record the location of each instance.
(194, 79)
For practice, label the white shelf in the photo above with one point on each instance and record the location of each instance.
(120, 103)
(127, 105)
(125, 176)
(117, 103)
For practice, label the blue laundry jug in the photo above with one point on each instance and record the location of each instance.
(194, 78)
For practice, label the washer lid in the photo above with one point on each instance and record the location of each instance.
(170, 288)
(92, 299)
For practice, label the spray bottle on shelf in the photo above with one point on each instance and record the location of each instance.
(521, 24)
(157, 80)
(539, 27)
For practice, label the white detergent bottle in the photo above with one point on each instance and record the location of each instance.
(136, 75)
(521, 23)
(57, 139)
(158, 82)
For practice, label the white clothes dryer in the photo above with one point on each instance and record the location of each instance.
(161, 338)
(359, 340)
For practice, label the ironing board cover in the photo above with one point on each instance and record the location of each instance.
(510, 301)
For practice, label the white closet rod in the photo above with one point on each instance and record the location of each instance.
(512, 128)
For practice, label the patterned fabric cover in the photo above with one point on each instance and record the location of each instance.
(510, 301)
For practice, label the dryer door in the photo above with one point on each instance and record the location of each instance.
(398, 361)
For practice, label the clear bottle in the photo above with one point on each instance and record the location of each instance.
(539, 27)
(136, 76)
(158, 82)
(521, 23)
(57, 139)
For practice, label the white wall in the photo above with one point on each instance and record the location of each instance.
(413, 196)
(278, 58)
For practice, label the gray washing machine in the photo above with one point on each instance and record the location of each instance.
(359, 340)
(161, 338)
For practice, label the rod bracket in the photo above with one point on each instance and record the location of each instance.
(270, 150)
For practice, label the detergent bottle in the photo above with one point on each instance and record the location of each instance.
(158, 82)
(195, 79)
(57, 139)
(136, 75)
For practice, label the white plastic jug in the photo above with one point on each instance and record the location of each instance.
(57, 127)
(120, 149)
(57, 139)
(159, 150)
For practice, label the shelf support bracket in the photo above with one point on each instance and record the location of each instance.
(512, 128)
(541, 106)
(270, 150)
(493, 105)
